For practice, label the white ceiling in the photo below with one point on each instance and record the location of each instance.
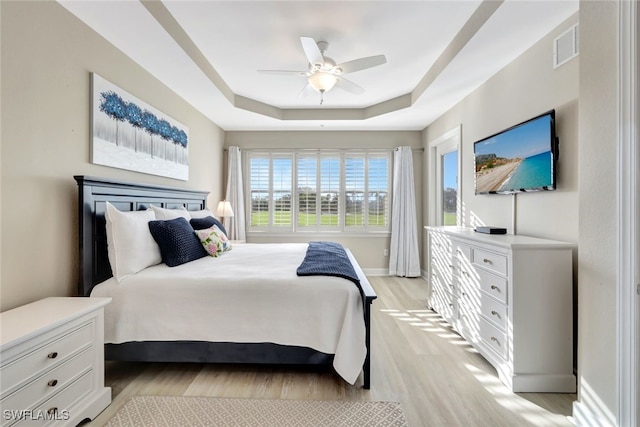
(208, 52)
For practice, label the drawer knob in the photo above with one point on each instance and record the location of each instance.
(52, 355)
(52, 411)
(495, 340)
(495, 313)
(495, 288)
(52, 383)
(487, 261)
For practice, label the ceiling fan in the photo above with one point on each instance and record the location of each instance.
(323, 73)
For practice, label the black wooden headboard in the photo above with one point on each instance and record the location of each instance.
(93, 193)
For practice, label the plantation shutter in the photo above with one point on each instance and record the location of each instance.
(329, 191)
(355, 207)
(378, 190)
(259, 185)
(307, 180)
(282, 186)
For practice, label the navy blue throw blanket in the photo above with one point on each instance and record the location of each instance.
(327, 259)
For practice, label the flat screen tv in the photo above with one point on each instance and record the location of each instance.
(519, 159)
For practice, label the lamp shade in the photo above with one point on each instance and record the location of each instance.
(322, 81)
(224, 209)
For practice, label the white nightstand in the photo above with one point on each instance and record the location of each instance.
(52, 362)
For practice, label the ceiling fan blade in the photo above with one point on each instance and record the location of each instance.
(361, 64)
(284, 72)
(306, 90)
(312, 51)
(349, 86)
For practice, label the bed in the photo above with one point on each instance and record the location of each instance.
(231, 322)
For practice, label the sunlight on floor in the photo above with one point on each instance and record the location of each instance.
(431, 322)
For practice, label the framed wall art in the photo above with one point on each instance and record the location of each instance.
(129, 134)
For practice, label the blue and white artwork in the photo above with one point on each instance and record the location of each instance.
(129, 134)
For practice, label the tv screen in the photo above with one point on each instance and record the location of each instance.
(519, 159)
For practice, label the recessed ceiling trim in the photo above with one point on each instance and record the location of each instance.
(164, 17)
(480, 17)
(161, 14)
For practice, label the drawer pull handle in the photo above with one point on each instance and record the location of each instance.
(495, 288)
(52, 355)
(450, 305)
(495, 340)
(487, 261)
(495, 313)
(52, 411)
(52, 383)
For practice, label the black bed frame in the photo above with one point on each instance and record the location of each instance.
(93, 193)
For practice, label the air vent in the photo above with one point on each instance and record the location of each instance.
(565, 47)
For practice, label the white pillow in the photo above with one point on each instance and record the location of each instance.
(165, 214)
(201, 214)
(130, 245)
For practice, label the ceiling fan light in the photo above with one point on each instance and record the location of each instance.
(322, 81)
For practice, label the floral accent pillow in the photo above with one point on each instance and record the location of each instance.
(215, 242)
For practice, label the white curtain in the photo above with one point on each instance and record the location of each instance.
(235, 225)
(403, 255)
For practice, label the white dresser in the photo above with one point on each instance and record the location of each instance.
(511, 297)
(52, 362)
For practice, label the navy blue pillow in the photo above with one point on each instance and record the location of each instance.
(206, 222)
(177, 240)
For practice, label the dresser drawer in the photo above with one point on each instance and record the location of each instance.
(462, 251)
(493, 338)
(45, 355)
(490, 260)
(443, 303)
(469, 323)
(493, 285)
(444, 283)
(495, 312)
(50, 383)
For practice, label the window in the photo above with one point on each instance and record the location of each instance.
(319, 191)
(444, 182)
(449, 187)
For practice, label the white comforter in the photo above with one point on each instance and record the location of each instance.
(249, 294)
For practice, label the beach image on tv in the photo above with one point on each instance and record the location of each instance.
(518, 159)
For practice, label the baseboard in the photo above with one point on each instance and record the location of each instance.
(584, 416)
(541, 383)
(376, 271)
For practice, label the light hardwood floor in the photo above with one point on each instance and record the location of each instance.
(417, 360)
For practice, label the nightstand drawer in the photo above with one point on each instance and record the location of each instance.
(45, 355)
(490, 261)
(45, 386)
(58, 407)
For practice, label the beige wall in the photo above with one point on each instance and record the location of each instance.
(582, 210)
(368, 250)
(525, 88)
(47, 58)
(597, 367)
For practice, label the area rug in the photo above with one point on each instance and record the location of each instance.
(209, 411)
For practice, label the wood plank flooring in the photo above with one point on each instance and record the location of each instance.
(416, 359)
